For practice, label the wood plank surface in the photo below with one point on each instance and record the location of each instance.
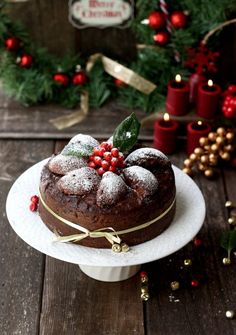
(21, 266)
(17, 121)
(195, 310)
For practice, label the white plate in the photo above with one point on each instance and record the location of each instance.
(189, 217)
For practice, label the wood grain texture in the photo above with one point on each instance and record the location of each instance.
(21, 266)
(75, 304)
(195, 310)
(17, 121)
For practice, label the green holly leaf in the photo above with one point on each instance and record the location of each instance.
(228, 241)
(126, 134)
(78, 150)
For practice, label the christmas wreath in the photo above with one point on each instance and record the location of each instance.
(165, 33)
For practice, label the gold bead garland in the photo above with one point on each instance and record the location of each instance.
(216, 146)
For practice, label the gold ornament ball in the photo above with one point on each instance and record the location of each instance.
(209, 173)
(230, 136)
(204, 159)
(193, 157)
(213, 159)
(225, 156)
(212, 136)
(174, 285)
(188, 163)
(187, 262)
(207, 147)
(202, 167)
(220, 140)
(229, 314)
(232, 221)
(226, 261)
(198, 151)
(220, 131)
(187, 170)
(214, 148)
(203, 141)
(228, 204)
(229, 148)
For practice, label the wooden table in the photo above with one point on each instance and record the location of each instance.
(42, 295)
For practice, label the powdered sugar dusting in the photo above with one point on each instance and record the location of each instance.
(80, 181)
(61, 164)
(84, 140)
(111, 189)
(142, 155)
(140, 179)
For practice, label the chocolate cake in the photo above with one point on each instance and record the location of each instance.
(111, 194)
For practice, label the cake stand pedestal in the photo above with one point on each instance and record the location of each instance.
(103, 264)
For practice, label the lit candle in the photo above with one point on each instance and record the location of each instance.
(177, 101)
(208, 99)
(165, 133)
(196, 130)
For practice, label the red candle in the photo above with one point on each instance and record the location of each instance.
(165, 132)
(208, 98)
(196, 130)
(177, 101)
(194, 81)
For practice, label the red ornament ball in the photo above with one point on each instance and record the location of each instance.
(178, 19)
(79, 78)
(195, 283)
(12, 43)
(156, 20)
(26, 60)
(161, 38)
(61, 79)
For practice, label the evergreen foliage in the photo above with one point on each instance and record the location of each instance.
(36, 85)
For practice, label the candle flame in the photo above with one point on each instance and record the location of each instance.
(166, 117)
(178, 78)
(210, 83)
(199, 123)
(145, 21)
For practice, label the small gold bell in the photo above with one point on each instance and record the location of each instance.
(174, 285)
(226, 261)
(144, 293)
(228, 204)
(187, 262)
(116, 247)
(124, 247)
(230, 314)
(232, 221)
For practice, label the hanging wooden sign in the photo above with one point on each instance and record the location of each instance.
(101, 13)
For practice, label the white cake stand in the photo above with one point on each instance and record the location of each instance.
(103, 264)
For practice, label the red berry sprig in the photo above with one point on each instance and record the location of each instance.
(106, 158)
(34, 203)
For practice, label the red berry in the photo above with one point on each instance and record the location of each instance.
(92, 165)
(115, 152)
(122, 165)
(101, 151)
(100, 171)
(96, 151)
(110, 145)
(33, 207)
(34, 199)
(112, 169)
(107, 156)
(114, 161)
(105, 165)
(104, 145)
(97, 160)
(195, 283)
(91, 157)
(121, 157)
(197, 242)
(143, 274)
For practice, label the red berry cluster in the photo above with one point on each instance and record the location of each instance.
(34, 203)
(106, 158)
(229, 104)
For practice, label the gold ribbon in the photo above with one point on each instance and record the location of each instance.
(123, 73)
(112, 236)
(115, 70)
(63, 122)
